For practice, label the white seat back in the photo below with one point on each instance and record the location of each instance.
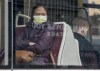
(69, 49)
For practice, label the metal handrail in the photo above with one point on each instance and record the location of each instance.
(21, 15)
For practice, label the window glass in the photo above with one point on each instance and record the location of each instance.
(94, 14)
(2, 23)
(96, 2)
(58, 10)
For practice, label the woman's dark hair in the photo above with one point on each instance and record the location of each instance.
(35, 7)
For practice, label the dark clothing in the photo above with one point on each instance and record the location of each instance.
(39, 35)
(84, 44)
(1, 55)
(88, 54)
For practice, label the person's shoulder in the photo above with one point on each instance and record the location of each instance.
(78, 36)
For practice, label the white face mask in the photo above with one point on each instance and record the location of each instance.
(39, 19)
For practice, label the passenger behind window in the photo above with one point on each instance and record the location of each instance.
(80, 29)
(88, 54)
(34, 44)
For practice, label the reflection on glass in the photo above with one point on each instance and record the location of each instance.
(95, 20)
(94, 14)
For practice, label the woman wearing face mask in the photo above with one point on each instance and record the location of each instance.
(35, 38)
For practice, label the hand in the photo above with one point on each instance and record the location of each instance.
(31, 43)
(24, 56)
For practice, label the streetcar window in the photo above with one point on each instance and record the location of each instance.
(93, 8)
(95, 22)
(58, 10)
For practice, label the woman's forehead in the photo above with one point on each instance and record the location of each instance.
(40, 9)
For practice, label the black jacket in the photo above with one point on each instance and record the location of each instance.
(84, 44)
(89, 56)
